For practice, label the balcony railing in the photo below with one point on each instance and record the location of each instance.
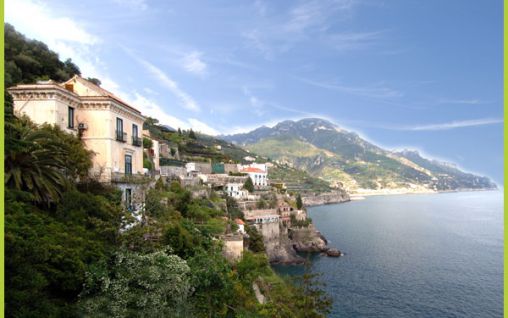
(121, 136)
(136, 141)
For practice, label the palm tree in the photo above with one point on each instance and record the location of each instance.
(34, 161)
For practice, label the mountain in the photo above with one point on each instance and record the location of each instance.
(343, 158)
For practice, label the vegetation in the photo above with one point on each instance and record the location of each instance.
(74, 250)
(299, 202)
(248, 185)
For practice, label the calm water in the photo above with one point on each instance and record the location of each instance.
(438, 255)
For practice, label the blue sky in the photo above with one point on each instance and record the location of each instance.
(414, 74)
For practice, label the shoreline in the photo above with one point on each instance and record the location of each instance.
(361, 195)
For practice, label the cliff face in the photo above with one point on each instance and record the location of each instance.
(282, 243)
(277, 244)
(307, 239)
(326, 198)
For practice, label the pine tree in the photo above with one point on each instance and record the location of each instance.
(248, 185)
(299, 202)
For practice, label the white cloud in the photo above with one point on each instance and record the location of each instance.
(456, 124)
(315, 14)
(200, 126)
(307, 20)
(33, 18)
(151, 108)
(348, 41)
(372, 91)
(193, 63)
(133, 4)
(471, 101)
(68, 37)
(186, 100)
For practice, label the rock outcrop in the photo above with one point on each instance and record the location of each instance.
(277, 244)
(326, 198)
(307, 239)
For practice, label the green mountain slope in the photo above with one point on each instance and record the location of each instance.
(344, 158)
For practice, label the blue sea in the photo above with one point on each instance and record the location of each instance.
(429, 255)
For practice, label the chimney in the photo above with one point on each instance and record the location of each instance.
(69, 87)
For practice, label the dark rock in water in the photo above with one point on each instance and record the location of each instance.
(333, 252)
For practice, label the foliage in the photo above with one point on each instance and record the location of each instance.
(192, 134)
(248, 185)
(213, 282)
(299, 202)
(27, 61)
(147, 143)
(94, 80)
(255, 241)
(136, 285)
(48, 253)
(43, 160)
(299, 223)
(233, 209)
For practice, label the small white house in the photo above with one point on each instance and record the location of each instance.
(241, 226)
(236, 191)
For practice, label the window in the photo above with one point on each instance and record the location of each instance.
(134, 130)
(70, 117)
(119, 129)
(128, 164)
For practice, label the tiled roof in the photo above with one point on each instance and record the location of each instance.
(239, 221)
(251, 169)
(101, 91)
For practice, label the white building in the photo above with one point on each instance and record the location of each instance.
(241, 226)
(259, 177)
(236, 191)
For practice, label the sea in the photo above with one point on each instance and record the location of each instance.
(425, 255)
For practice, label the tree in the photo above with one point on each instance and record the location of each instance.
(135, 285)
(299, 202)
(213, 283)
(147, 143)
(48, 252)
(233, 209)
(192, 135)
(248, 185)
(94, 80)
(255, 239)
(34, 161)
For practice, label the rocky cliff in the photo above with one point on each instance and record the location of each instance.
(307, 239)
(326, 198)
(279, 248)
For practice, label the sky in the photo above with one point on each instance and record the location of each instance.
(423, 75)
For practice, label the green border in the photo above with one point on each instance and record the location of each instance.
(2, 208)
(505, 102)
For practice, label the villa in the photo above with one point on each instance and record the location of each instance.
(108, 126)
(258, 176)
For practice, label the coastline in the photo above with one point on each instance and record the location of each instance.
(361, 195)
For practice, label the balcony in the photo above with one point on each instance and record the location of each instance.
(136, 141)
(121, 136)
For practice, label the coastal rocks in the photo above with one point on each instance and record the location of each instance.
(307, 239)
(277, 244)
(333, 252)
(326, 198)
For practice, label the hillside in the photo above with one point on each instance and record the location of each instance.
(344, 158)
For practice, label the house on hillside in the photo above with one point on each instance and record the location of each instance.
(108, 126)
(235, 190)
(259, 177)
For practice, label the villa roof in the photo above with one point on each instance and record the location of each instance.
(100, 91)
(239, 222)
(252, 169)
